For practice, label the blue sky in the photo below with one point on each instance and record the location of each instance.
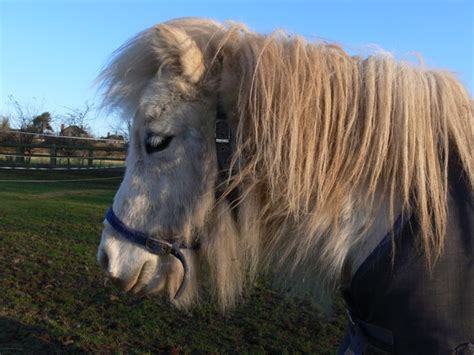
(51, 51)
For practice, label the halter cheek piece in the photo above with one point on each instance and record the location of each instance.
(162, 247)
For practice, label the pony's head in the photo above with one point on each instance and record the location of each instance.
(325, 145)
(168, 82)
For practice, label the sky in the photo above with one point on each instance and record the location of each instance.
(51, 51)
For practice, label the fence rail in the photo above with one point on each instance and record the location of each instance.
(58, 156)
(63, 146)
(52, 155)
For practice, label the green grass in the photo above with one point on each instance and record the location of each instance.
(53, 297)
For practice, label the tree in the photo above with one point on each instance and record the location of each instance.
(41, 123)
(28, 122)
(79, 117)
(5, 124)
(76, 124)
(23, 117)
(5, 130)
(23, 114)
(122, 126)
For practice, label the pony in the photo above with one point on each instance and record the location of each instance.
(327, 150)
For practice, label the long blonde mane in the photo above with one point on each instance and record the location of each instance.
(323, 140)
(325, 135)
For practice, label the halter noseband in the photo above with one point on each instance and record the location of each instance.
(162, 247)
(155, 246)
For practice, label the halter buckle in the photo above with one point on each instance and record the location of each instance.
(158, 247)
(222, 132)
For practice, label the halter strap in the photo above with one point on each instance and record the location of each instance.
(224, 142)
(155, 246)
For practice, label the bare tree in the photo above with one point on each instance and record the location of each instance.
(5, 130)
(26, 118)
(79, 117)
(122, 127)
(24, 114)
(5, 123)
(76, 124)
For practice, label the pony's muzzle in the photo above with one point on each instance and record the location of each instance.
(103, 259)
(152, 245)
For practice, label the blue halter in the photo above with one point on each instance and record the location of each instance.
(154, 246)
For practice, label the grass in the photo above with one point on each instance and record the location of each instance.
(54, 297)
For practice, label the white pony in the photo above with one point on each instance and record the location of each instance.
(327, 151)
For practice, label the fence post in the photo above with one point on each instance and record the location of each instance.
(52, 160)
(90, 161)
(20, 152)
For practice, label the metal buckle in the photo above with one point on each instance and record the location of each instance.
(158, 247)
(222, 126)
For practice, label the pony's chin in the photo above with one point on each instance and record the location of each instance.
(142, 291)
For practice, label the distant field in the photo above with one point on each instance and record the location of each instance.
(53, 297)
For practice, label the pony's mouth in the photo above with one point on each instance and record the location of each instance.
(154, 246)
(136, 284)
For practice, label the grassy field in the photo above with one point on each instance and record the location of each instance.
(53, 297)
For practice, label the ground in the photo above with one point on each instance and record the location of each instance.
(54, 297)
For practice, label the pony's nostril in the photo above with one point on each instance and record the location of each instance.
(103, 259)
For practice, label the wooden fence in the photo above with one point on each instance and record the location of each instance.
(54, 155)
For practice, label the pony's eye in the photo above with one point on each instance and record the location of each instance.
(155, 143)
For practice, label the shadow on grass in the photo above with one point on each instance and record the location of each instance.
(16, 337)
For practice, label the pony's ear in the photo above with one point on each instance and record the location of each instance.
(179, 51)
